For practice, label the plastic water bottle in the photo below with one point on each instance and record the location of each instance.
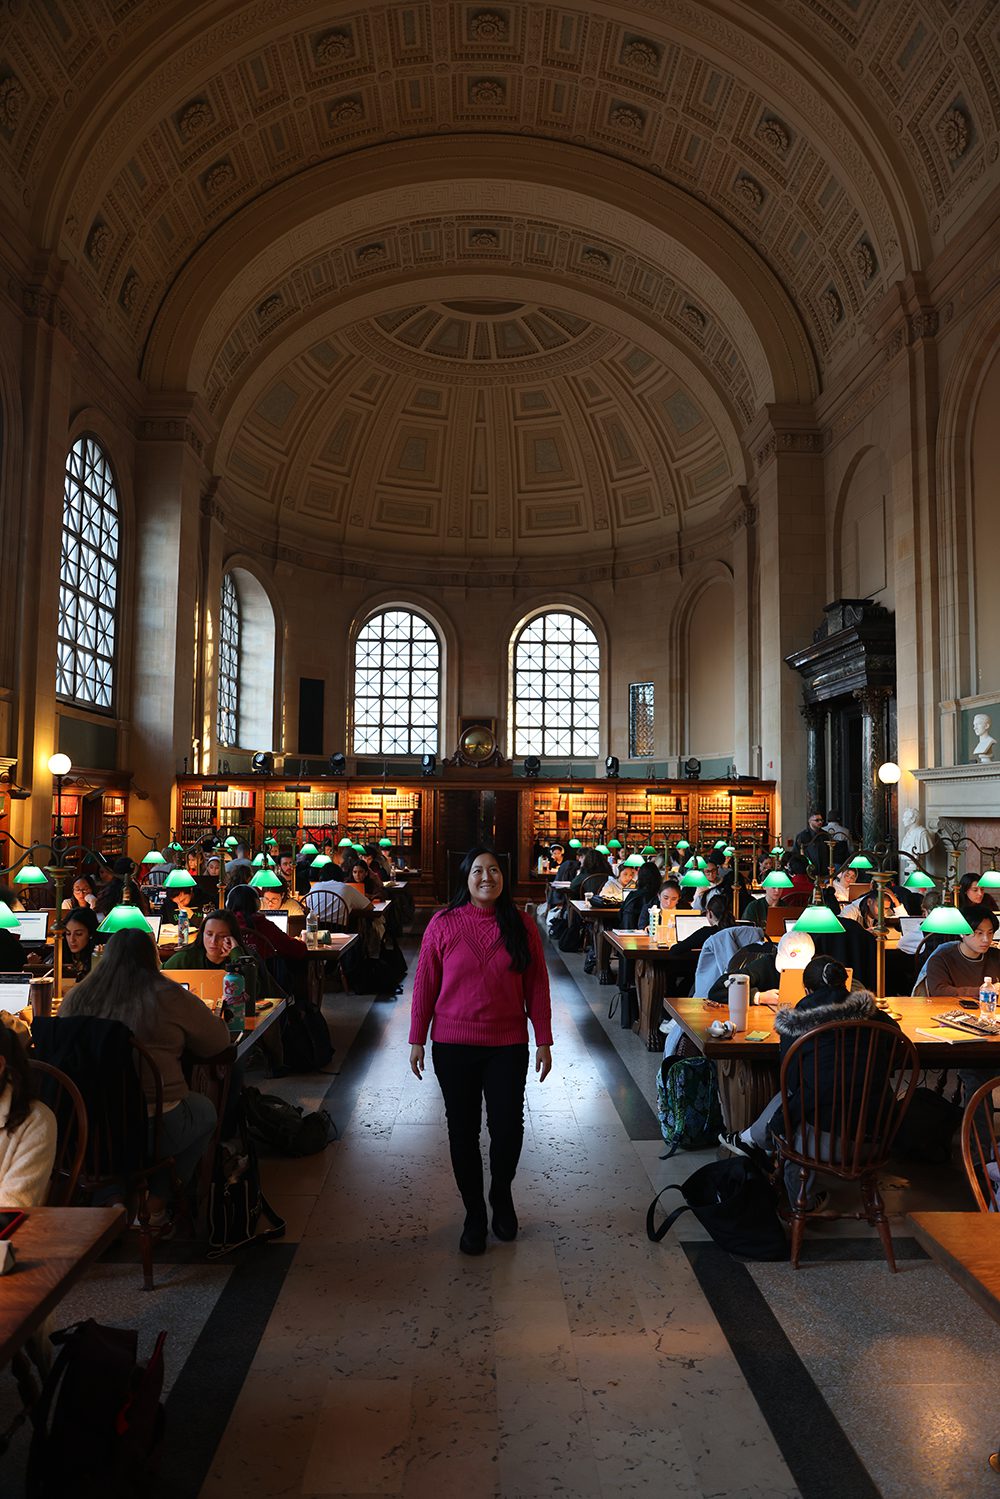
(312, 928)
(183, 928)
(654, 918)
(234, 992)
(988, 1001)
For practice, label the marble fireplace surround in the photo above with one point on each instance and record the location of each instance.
(968, 795)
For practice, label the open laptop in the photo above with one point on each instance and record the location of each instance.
(15, 992)
(689, 922)
(908, 925)
(33, 926)
(155, 922)
(205, 982)
(280, 919)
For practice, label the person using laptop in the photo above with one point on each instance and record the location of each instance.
(79, 943)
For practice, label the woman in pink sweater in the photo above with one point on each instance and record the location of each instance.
(481, 976)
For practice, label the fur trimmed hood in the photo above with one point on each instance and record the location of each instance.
(808, 1014)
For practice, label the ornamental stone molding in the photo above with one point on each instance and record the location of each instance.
(219, 177)
(332, 47)
(98, 243)
(194, 119)
(489, 26)
(488, 91)
(642, 55)
(774, 134)
(12, 97)
(954, 130)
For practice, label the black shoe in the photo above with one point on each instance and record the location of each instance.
(731, 1140)
(472, 1241)
(504, 1219)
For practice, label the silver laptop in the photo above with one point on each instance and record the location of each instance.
(908, 925)
(280, 919)
(686, 923)
(154, 922)
(34, 925)
(15, 993)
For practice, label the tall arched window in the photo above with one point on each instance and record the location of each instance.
(397, 685)
(88, 579)
(229, 664)
(556, 687)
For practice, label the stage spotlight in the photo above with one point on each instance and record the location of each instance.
(262, 764)
(611, 767)
(428, 764)
(532, 765)
(338, 765)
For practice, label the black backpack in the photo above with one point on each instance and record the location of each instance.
(98, 1423)
(284, 1127)
(735, 1203)
(305, 1037)
(927, 1128)
(236, 1203)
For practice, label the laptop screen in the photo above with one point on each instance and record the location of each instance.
(15, 993)
(280, 919)
(154, 922)
(910, 924)
(33, 924)
(689, 922)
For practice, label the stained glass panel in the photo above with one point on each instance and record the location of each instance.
(88, 577)
(556, 687)
(640, 720)
(229, 664)
(397, 686)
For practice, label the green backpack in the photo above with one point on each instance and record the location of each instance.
(687, 1104)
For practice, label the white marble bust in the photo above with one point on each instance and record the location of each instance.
(986, 744)
(916, 839)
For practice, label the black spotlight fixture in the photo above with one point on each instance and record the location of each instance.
(428, 764)
(611, 765)
(338, 764)
(692, 769)
(262, 764)
(532, 765)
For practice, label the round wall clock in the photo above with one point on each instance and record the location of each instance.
(477, 744)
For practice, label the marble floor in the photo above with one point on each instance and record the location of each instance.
(366, 1356)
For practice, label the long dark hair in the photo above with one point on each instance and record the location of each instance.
(515, 938)
(648, 879)
(123, 986)
(720, 908)
(824, 972)
(17, 1077)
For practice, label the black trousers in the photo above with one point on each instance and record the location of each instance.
(467, 1075)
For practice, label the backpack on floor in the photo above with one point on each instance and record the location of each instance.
(927, 1128)
(687, 1103)
(98, 1422)
(284, 1127)
(236, 1203)
(305, 1037)
(735, 1203)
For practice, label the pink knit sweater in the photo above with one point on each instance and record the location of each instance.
(464, 980)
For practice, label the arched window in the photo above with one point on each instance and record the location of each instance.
(229, 664)
(397, 685)
(556, 687)
(88, 579)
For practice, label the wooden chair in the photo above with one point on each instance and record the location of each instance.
(65, 1100)
(330, 909)
(870, 1072)
(980, 1147)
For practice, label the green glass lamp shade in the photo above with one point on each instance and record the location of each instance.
(634, 861)
(575, 843)
(699, 862)
(124, 918)
(613, 843)
(918, 881)
(860, 862)
(345, 843)
(777, 880)
(358, 848)
(946, 921)
(270, 843)
(179, 879)
(175, 848)
(231, 842)
(648, 852)
(694, 879)
(818, 919)
(602, 848)
(262, 861)
(720, 843)
(321, 861)
(385, 843)
(30, 874)
(777, 851)
(7, 917)
(989, 879)
(309, 851)
(265, 879)
(683, 845)
(729, 851)
(153, 857)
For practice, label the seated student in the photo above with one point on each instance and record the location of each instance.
(169, 1021)
(79, 941)
(330, 880)
(634, 916)
(826, 998)
(795, 868)
(28, 1133)
(216, 942)
(360, 873)
(971, 893)
(279, 899)
(912, 941)
(671, 895)
(720, 882)
(719, 947)
(956, 970)
(595, 871)
(864, 911)
(185, 898)
(757, 909)
(617, 886)
(82, 894)
(268, 941)
(378, 862)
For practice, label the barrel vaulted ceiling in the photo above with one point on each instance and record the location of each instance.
(689, 207)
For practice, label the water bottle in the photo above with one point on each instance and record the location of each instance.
(988, 1001)
(312, 928)
(654, 920)
(234, 1000)
(738, 986)
(183, 924)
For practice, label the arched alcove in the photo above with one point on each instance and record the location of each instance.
(709, 673)
(256, 675)
(863, 532)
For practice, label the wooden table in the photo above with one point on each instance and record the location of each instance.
(747, 1071)
(655, 966)
(599, 918)
(967, 1245)
(319, 956)
(53, 1247)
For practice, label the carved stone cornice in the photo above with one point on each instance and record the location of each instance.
(46, 306)
(784, 430)
(176, 418)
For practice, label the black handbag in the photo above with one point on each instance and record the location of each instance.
(735, 1204)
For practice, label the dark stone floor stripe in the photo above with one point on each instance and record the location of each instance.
(822, 1460)
(634, 1109)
